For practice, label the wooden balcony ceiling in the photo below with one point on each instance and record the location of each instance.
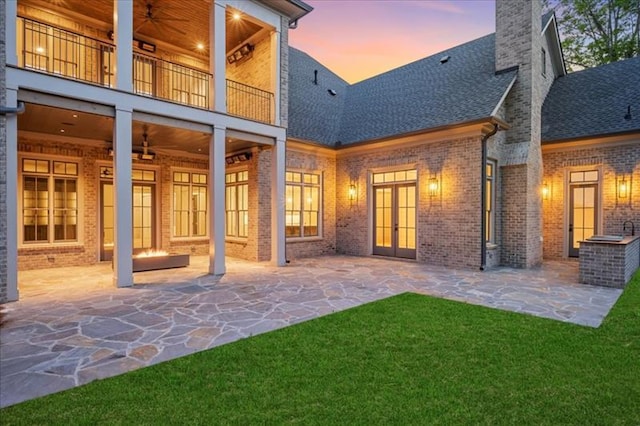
(183, 23)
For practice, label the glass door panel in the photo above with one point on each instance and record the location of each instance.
(395, 220)
(583, 216)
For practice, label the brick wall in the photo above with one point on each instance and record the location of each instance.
(3, 160)
(609, 265)
(448, 224)
(613, 161)
(256, 70)
(518, 43)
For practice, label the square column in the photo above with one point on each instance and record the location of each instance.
(123, 242)
(218, 55)
(10, 31)
(123, 38)
(10, 180)
(276, 81)
(217, 167)
(278, 166)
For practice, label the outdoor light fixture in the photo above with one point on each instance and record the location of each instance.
(241, 54)
(623, 188)
(353, 193)
(433, 186)
(238, 158)
(545, 191)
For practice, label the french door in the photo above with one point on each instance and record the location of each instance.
(583, 208)
(143, 218)
(394, 218)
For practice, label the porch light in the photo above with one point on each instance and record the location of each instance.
(623, 188)
(353, 193)
(243, 53)
(237, 16)
(433, 186)
(545, 191)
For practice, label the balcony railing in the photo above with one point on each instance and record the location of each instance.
(249, 102)
(174, 82)
(53, 50)
(61, 52)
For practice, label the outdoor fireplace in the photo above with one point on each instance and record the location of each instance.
(151, 260)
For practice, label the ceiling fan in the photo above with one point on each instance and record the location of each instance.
(157, 16)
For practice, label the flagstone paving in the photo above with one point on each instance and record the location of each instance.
(72, 326)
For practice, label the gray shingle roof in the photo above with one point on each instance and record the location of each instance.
(593, 102)
(421, 95)
(314, 114)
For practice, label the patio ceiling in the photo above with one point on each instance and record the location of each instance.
(76, 125)
(181, 23)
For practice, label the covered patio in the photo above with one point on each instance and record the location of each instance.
(71, 326)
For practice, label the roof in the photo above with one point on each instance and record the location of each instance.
(593, 102)
(546, 18)
(418, 96)
(314, 113)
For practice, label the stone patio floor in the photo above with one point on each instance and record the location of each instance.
(71, 326)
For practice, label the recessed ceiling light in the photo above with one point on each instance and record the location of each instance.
(39, 49)
(200, 46)
(61, 130)
(236, 16)
(75, 115)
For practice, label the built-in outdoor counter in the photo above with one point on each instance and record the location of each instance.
(609, 260)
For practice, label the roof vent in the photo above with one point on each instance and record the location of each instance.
(332, 92)
(444, 59)
(315, 77)
(627, 116)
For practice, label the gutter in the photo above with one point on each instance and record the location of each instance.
(11, 110)
(483, 198)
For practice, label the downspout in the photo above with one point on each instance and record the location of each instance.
(483, 198)
(10, 110)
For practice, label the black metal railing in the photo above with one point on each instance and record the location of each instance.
(174, 82)
(249, 102)
(56, 51)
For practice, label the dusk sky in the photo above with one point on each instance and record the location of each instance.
(358, 39)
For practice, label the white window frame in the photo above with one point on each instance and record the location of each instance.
(190, 237)
(79, 241)
(320, 186)
(491, 230)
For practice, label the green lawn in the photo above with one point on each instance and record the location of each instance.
(406, 360)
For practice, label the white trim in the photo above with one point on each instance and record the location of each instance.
(600, 142)
(504, 96)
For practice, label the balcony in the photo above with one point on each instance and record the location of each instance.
(53, 50)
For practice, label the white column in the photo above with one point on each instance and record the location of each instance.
(277, 203)
(216, 201)
(10, 30)
(275, 75)
(123, 38)
(123, 243)
(12, 197)
(218, 55)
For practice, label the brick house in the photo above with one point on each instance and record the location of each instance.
(193, 127)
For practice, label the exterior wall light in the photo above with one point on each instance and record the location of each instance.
(545, 191)
(433, 186)
(353, 193)
(623, 188)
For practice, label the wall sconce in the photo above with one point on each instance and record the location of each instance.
(353, 193)
(433, 186)
(545, 191)
(623, 188)
(241, 54)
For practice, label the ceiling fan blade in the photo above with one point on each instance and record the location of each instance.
(136, 29)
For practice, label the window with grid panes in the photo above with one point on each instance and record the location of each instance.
(237, 204)
(189, 204)
(49, 201)
(302, 204)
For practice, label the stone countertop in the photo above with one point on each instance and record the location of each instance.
(625, 240)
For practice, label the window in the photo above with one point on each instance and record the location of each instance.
(544, 62)
(144, 75)
(237, 204)
(490, 214)
(302, 206)
(189, 204)
(188, 86)
(51, 50)
(49, 201)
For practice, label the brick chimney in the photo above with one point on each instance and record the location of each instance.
(519, 44)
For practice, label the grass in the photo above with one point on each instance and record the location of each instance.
(409, 359)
